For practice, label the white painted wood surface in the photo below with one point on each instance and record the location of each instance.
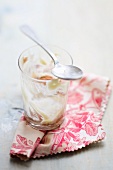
(85, 29)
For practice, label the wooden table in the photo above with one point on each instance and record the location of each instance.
(85, 30)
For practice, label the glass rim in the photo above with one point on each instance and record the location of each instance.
(34, 79)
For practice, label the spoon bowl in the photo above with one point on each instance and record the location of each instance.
(66, 72)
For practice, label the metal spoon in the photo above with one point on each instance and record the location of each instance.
(67, 72)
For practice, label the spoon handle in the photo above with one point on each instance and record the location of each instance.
(32, 35)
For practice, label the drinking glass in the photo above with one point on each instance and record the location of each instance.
(44, 95)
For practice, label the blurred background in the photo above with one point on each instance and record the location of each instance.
(83, 28)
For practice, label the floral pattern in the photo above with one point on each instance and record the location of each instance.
(91, 128)
(87, 101)
(22, 145)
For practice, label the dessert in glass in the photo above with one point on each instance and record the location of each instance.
(44, 95)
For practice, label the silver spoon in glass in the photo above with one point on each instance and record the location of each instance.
(66, 72)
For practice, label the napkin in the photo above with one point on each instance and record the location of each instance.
(87, 101)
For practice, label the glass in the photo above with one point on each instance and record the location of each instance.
(44, 95)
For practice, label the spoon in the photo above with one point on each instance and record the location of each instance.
(66, 72)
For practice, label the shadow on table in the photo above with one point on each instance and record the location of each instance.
(90, 148)
(20, 163)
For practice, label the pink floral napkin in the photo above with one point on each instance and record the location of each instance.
(87, 101)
